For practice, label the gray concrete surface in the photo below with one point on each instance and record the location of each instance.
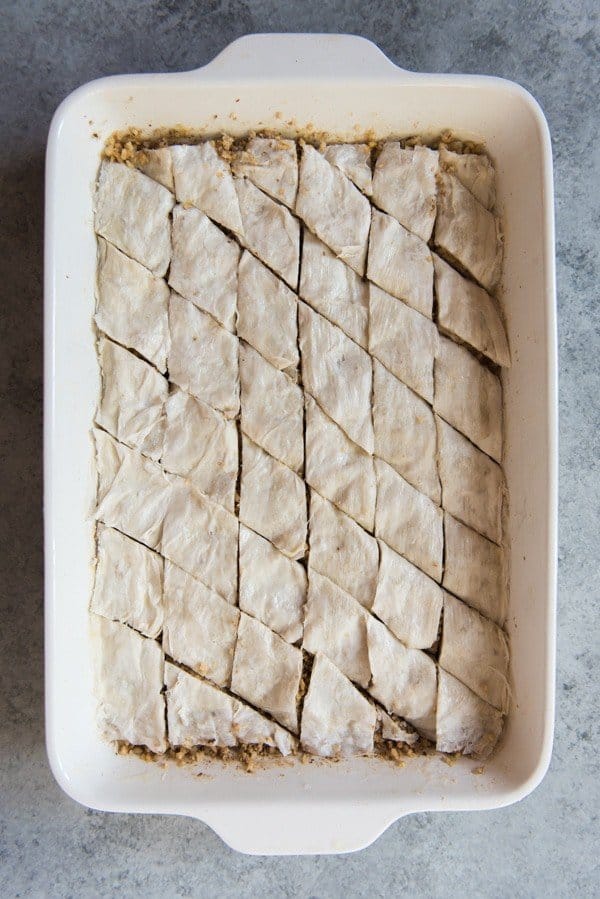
(545, 846)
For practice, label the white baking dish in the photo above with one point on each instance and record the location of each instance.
(342, 85)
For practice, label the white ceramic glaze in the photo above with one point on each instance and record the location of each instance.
(344, 86)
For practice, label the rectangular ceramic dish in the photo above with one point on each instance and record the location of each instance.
(344, 86)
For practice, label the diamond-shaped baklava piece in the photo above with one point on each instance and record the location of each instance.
(342, 550)
(467, 232)
(267, 313)
(272, 587)
(336, 719)
(407, 600)
(338, 375)
(408, 521)
(469, 397)
(204, 265)
(400, 263)
(135, 493)
(133, 212)
(404, 184)
(403, 340)
(199, 714)
(472, 483)
(405, 434)
(403, 680)
(272, 409)
(334, 289)
(474, 171)
(202, 445)
(333, 208)
(271, 164)
(132, 305)
(475, 650)
(469, 314)
(337, 468)
(465, 723)
(158, 165)
(336, 625)
(474, 569)
(200, 627)
(203, 179)
(201, 537)
(128, 684)
(204, 357)
(132, 400)
(273, 500)
(354, 160)
(270, 231)
(128, 584)
(267, 671)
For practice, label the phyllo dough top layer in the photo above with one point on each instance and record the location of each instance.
(299, 435)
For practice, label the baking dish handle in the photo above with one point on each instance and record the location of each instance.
(261, 56)
(320, 828)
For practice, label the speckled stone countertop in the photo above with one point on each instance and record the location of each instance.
(548, 844)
